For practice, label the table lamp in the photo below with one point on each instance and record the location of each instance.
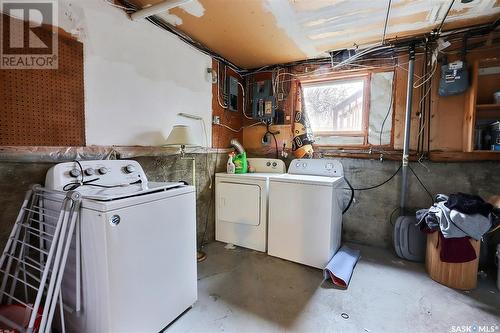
(181, 136)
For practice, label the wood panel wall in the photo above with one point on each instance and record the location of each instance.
(447, 113)
(252, 136)
(221, 136)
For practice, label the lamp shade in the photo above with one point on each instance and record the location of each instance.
(181, 135)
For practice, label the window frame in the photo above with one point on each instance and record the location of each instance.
(366, 78)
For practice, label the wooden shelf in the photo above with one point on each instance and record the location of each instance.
(488, 111)
(488, 107)
(478, 107)
(486, 151)
(476, 155)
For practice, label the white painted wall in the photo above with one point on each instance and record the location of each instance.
(137, 76)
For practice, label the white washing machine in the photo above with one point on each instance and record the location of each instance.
(305, 212)
(138, 248)
(241, 204)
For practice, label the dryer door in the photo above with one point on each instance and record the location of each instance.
(238, 203)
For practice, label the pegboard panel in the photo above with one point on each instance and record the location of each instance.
(45, 107)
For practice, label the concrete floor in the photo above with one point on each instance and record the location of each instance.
(245, 291)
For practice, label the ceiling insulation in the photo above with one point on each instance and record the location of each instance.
(255, 33)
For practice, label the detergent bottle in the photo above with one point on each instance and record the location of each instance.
(241, 163)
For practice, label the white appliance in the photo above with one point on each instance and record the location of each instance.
(241, 204)
(138, 248)
(305, 214)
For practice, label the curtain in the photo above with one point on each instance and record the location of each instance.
(303, 137)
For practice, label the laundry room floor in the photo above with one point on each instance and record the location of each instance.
(246, 291)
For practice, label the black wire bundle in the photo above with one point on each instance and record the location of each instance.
(268, 131)
(352, 189)
(422, 184)
(381, 184)
(378, 185)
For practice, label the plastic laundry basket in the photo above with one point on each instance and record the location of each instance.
(20, 315)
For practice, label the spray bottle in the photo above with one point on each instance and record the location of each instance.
(231, 168)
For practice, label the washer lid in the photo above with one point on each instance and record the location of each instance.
(126, 191)
(307, 179)
(114, 202)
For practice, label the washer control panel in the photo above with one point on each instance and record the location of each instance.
(105, 172)
(102, 170)
(317, 167)
(89, 172)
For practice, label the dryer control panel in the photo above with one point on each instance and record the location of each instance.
(267, 165)
(316, 167)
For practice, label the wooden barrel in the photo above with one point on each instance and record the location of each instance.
(459, 276)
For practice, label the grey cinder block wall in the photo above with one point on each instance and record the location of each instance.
(172, 168)
(17, 177)
(367, 221)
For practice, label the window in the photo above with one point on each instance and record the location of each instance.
(337, 107)
(354, 111)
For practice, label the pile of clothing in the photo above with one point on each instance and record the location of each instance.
(457, 218)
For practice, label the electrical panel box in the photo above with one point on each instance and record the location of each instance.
(263, 102)
(454, 79)
(232, 96)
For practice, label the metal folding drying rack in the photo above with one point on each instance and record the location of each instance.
(33, 261)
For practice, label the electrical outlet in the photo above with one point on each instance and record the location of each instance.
(265, 139)
(281, 97)
(216, 120)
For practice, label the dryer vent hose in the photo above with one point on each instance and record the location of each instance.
(236, 145)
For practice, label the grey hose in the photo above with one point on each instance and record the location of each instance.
(235, 143)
